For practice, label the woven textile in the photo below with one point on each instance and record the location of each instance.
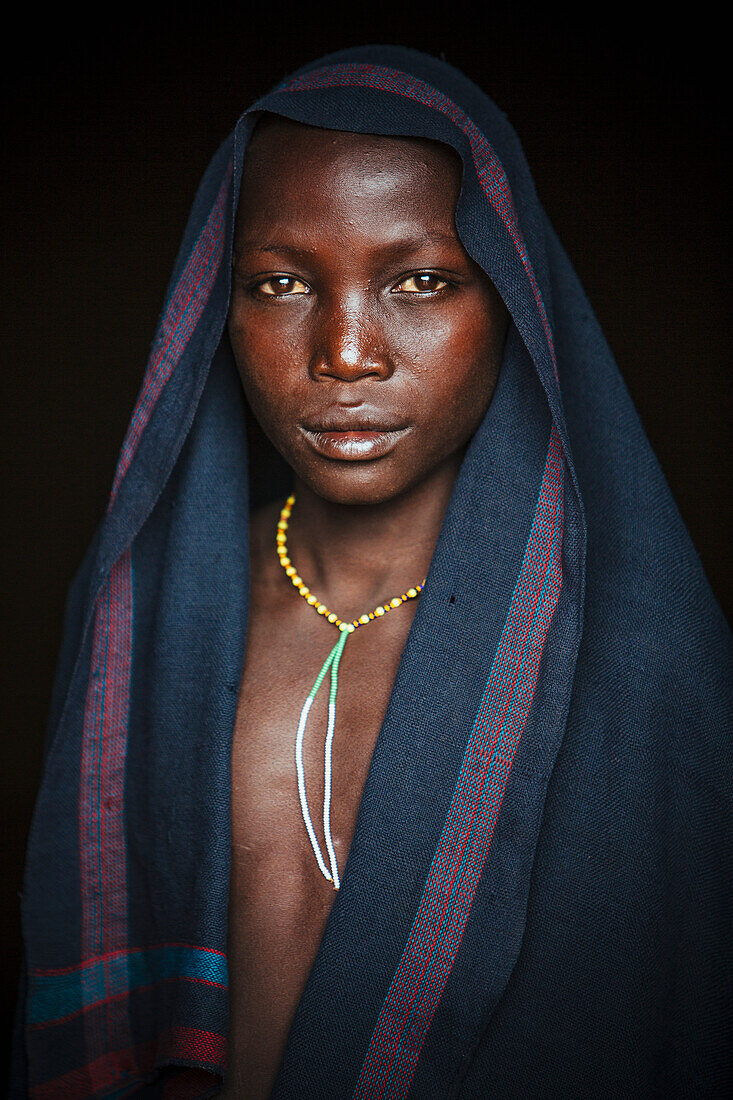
(535, 900)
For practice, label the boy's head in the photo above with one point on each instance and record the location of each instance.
(367, 339)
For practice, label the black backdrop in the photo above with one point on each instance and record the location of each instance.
(109, 126)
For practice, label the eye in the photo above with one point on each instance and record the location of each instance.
(279, 286)
(420, 282)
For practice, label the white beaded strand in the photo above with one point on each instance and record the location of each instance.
(332, 663)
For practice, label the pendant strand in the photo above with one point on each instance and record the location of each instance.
(331, 663)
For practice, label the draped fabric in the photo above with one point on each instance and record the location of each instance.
(535, 899)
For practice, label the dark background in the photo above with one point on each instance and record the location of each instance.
(109, 127)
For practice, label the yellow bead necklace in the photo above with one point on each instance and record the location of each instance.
(301, 586)
(332, 662)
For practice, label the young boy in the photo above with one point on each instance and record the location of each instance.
(415, 782)
(369, 343)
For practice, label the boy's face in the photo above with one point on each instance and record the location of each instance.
(367, 339)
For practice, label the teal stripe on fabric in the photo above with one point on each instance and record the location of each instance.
(54, 996)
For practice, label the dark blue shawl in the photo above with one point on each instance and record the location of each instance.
(535, 901)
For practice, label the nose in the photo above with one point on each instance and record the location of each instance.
(349, 344)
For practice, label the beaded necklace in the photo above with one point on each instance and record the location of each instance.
(332, 662)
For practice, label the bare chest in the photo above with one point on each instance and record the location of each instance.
(279, 899)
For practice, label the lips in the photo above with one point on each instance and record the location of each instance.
(359, 438)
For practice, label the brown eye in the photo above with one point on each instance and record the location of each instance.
(422, 282)
(278, 286)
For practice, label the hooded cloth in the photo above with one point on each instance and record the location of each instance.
(534, 902)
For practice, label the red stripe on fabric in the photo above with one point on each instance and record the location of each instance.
(475, 765)
(419, 994)
(184, 311)
(464, 812)
(103, 859)
(204, 1048)
(112, 758)
(418, 983)
(114, 1069)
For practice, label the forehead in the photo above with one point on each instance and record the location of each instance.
(275, 137)
(295, 173)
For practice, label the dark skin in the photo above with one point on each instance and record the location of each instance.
(368, 342)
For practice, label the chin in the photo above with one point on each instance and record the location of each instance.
(354, 485)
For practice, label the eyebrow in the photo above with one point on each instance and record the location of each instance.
(399, 245)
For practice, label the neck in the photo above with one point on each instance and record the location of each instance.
(357, 555)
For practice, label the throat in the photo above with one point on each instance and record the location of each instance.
(356, 557)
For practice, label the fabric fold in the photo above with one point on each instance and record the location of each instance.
(556, 728)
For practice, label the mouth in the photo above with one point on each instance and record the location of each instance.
(361, 441)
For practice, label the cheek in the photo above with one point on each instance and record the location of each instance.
(459, 370)
(268, 358)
